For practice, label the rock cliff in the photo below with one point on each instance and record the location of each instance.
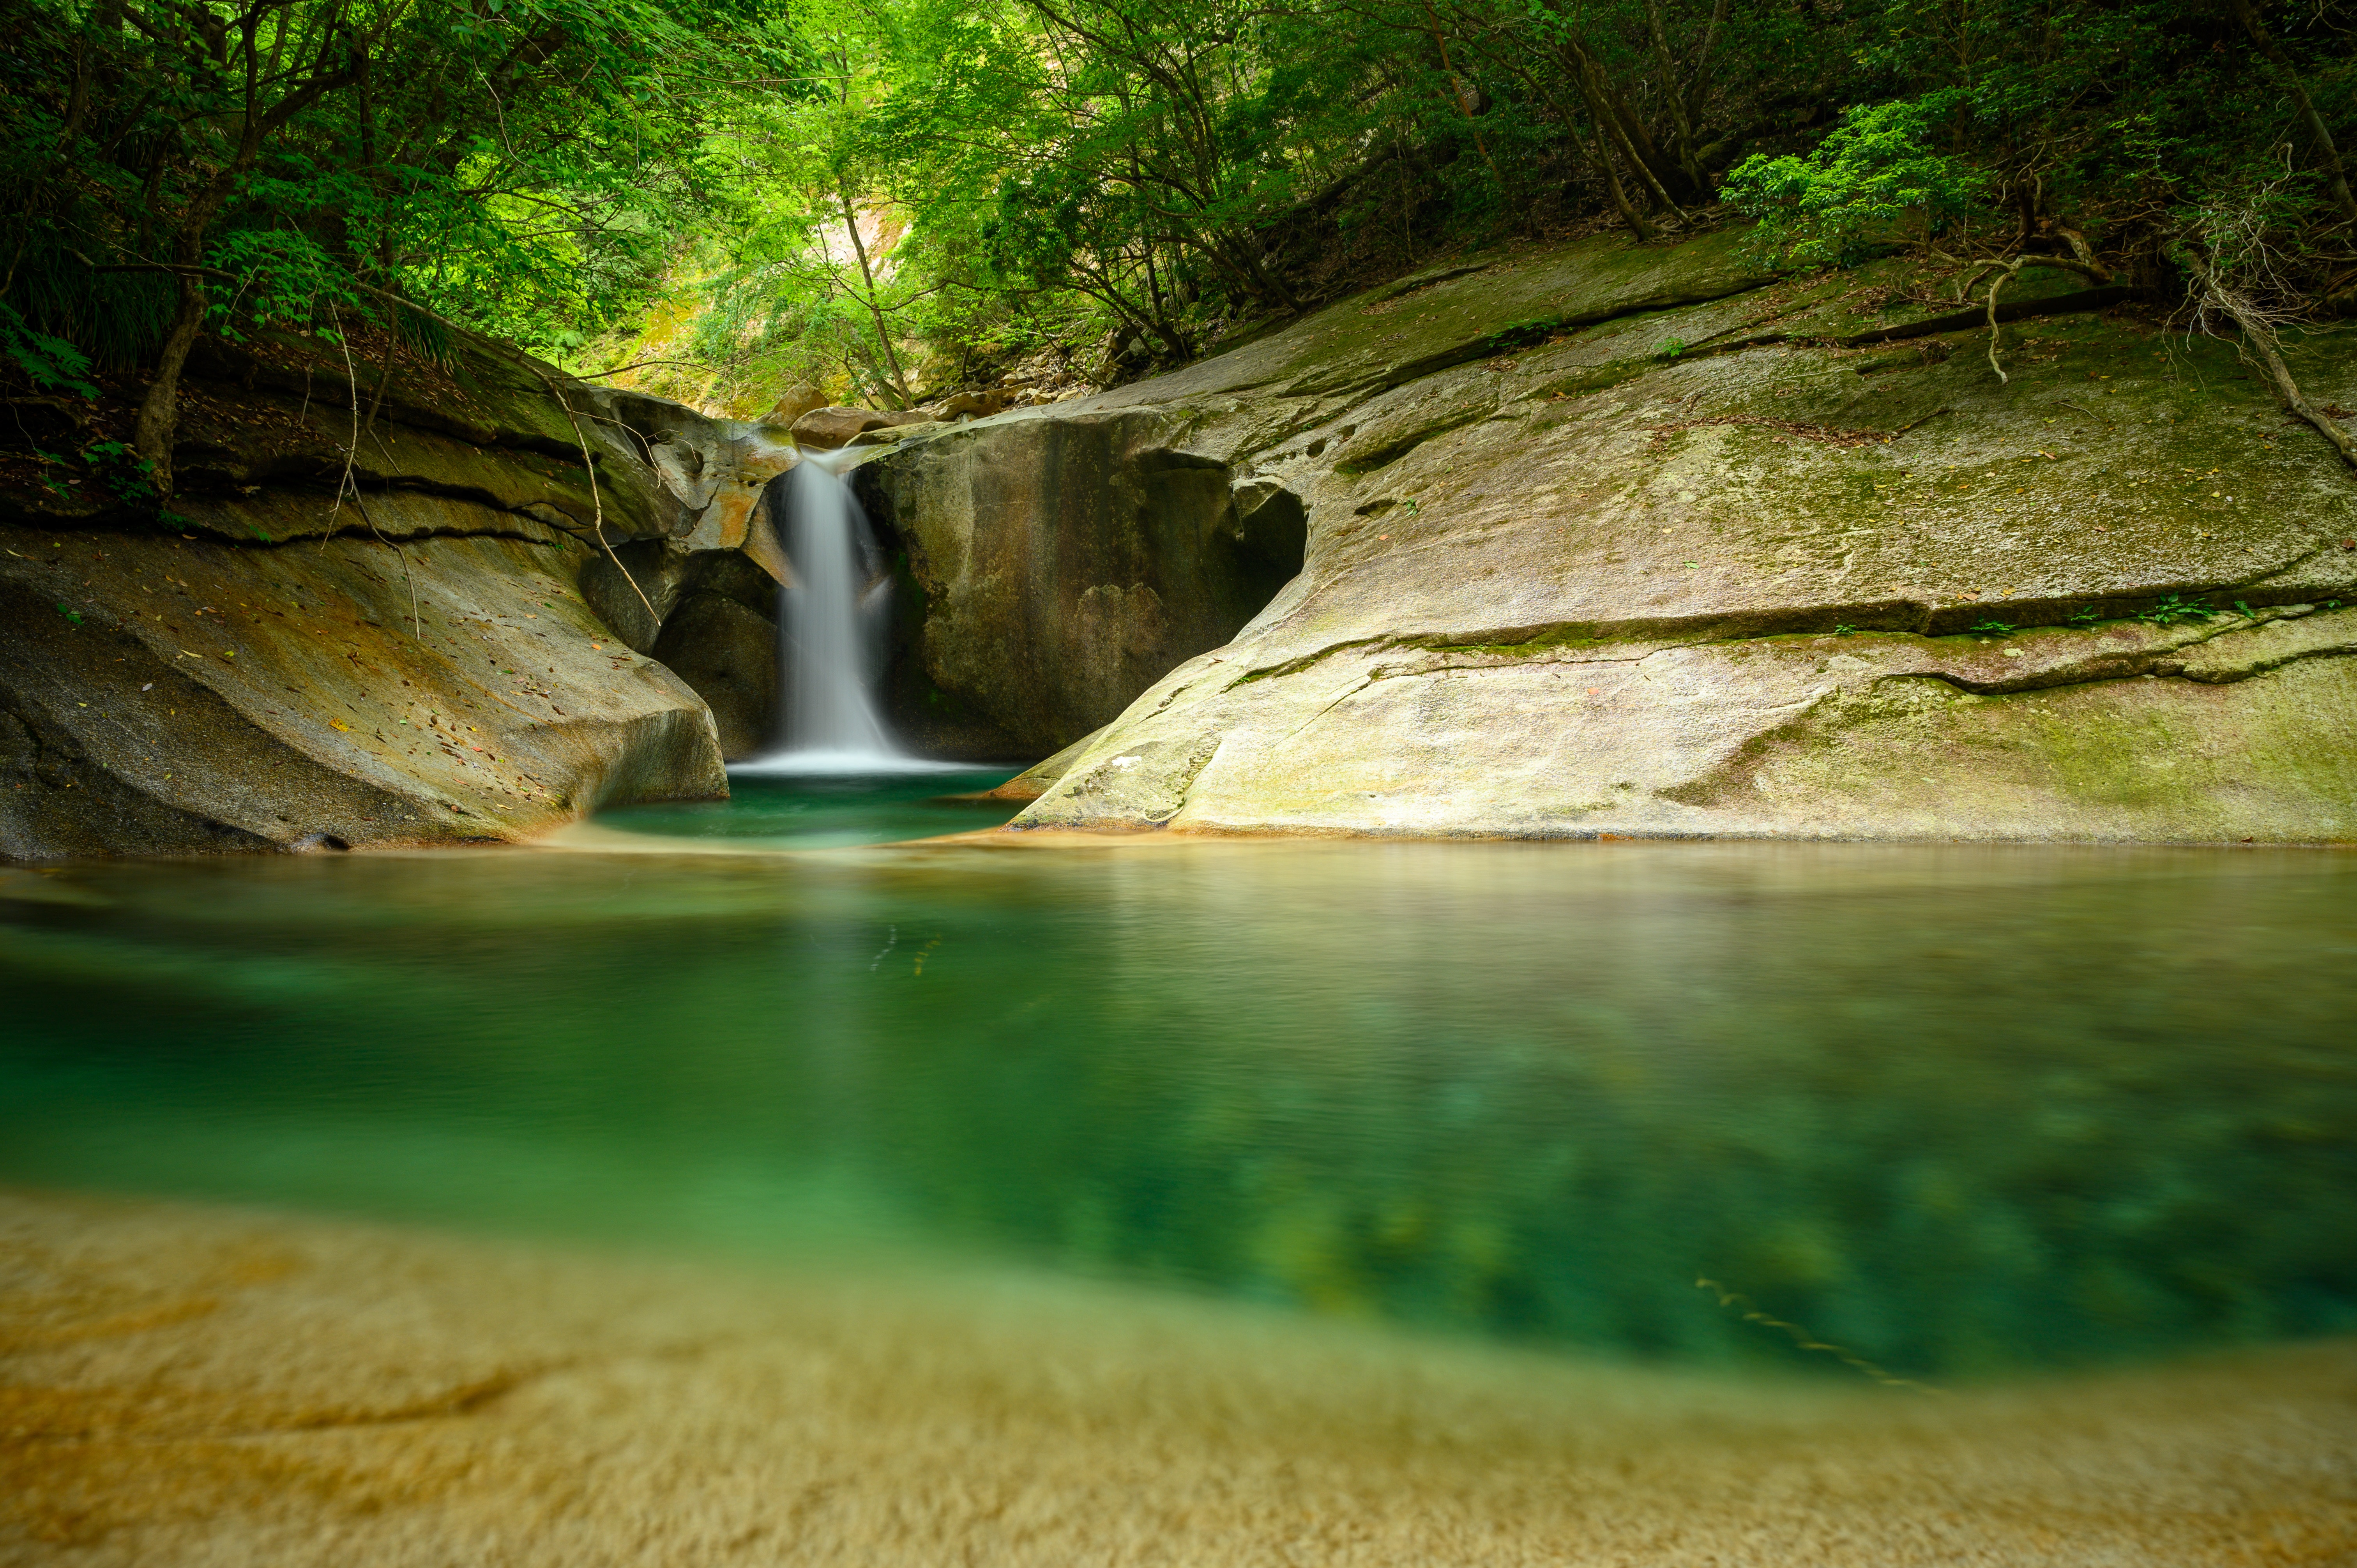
(451, 654)
(1610, 539)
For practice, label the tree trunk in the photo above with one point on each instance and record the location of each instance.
(1698, 68)
(1610, 133)
(899, 381)
(1681, 124)
(2306, 105)
(1460, 92)
(1618, 192)
(159, 410)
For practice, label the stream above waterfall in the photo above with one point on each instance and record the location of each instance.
(1958, 1112)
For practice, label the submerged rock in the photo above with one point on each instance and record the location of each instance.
(1616, 538)
(196, 1385)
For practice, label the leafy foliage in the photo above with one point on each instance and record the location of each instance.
(1871, 181)
(517, 165)
(881, 198)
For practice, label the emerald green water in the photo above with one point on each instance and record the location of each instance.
(1960, 1111)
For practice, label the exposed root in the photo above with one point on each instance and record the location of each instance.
(2259, 339)
(344, 484)
(1999, 273)
(351, 448)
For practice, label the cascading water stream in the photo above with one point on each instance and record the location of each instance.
(830, 625)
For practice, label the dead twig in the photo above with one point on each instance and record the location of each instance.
(1924, 419)
(597, 502)
(347, 483)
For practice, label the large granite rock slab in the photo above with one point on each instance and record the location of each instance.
(1612, 538)
(162, 695)
(455, 652)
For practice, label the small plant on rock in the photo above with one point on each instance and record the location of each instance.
(122, 471)
(2174, 608)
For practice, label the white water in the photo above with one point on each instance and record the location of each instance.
(830, 626)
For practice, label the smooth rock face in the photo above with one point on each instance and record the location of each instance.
(727, 648)
(218, 696)
(1056, 567)
(457, 656)
(1581, 562)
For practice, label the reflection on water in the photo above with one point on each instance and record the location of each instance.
(783, 808)
(1955, 1111)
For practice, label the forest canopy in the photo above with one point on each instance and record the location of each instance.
(884, 199)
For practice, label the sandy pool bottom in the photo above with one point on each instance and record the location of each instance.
(192, 1385)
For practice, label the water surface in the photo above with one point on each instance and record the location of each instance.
(1931, 1113)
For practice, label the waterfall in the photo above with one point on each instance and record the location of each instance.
(831, 621)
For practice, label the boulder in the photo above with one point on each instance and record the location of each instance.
(792, 403)
(971, 404)
(164, 695)
(1615, 540)
(728, 652)
(823, 429)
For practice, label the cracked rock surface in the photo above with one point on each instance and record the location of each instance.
(1618, 539)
